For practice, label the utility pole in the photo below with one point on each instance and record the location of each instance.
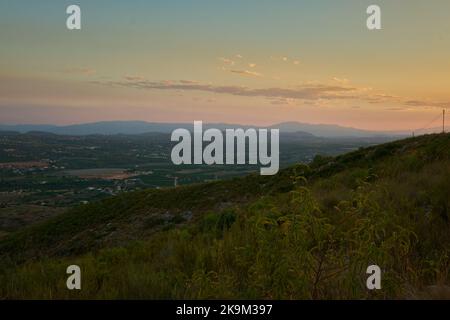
(443, 120)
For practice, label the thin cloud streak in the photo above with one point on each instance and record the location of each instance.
(247, 73)
(308, 92)
(305, 92)
(81, 71)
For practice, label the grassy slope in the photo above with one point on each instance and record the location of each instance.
(308, 232)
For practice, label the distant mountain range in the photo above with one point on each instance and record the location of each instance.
(139, 127)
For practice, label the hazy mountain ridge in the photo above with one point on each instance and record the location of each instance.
(140, 127)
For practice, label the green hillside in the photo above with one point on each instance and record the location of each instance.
(307, 233)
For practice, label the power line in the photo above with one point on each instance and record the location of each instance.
(428, 124)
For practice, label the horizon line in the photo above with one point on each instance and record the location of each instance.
(403, 131)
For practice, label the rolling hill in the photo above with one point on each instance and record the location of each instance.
(308, 232)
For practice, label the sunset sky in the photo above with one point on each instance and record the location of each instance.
(250, 62)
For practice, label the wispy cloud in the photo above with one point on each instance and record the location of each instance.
(133, 78)
(285, 59)
(396, 109)
(341, 88)
(340, 80)
(189, 82)
(247, 73)
(227, 61)
(423, 103)
(303, 92)
(80, 71)
(283, 101)
(312, 92)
